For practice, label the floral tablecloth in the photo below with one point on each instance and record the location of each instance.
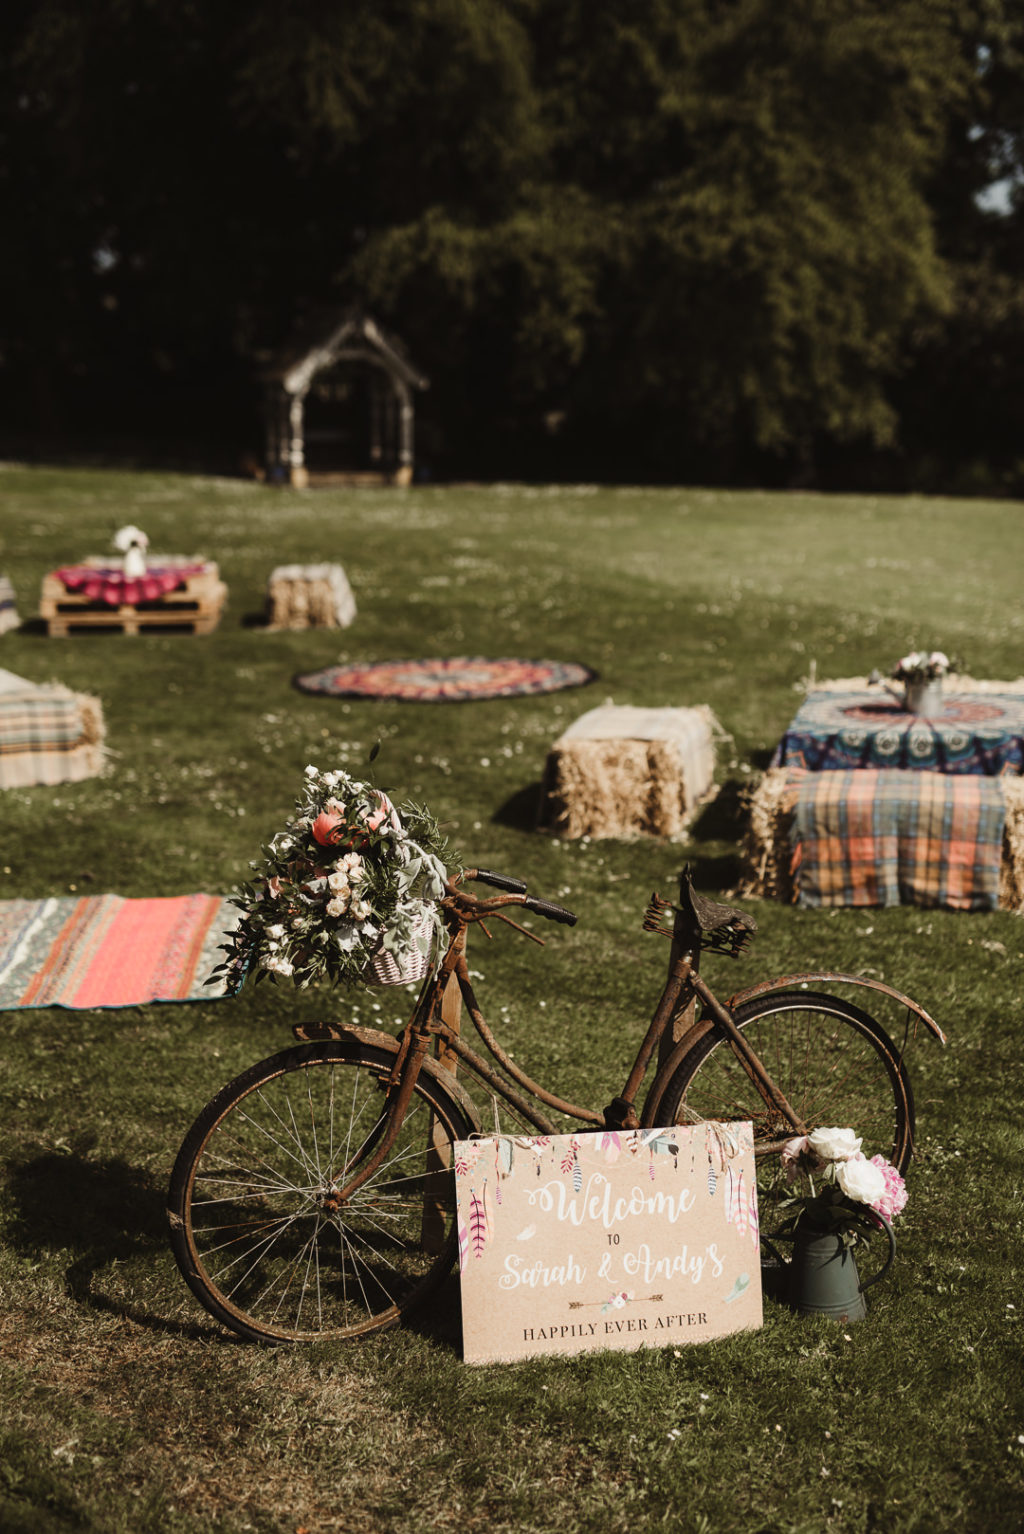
(109, 584)
(980, 734)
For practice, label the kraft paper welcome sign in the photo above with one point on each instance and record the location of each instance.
(635, 1239)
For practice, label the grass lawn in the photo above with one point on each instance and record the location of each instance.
(122, 1406)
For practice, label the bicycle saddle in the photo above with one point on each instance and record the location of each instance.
(723, 929)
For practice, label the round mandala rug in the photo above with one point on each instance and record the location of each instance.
(461, 679)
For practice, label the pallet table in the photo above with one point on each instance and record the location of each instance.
(193, 606)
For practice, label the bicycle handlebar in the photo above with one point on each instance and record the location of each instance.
(551, 911)
(513, 886)
(501, 881)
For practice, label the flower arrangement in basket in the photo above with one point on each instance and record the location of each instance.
(347, 892)
(849, 1186)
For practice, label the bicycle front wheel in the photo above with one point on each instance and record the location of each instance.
(254, 1226)
(833, 1062)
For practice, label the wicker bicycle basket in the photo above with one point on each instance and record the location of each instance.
(412, 964)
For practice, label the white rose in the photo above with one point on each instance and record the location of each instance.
(276, 931)
(861, 1181)
(339, 884)
(312, 772)
(833, 1144)
(337, 907)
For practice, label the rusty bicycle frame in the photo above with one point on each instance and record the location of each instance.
(697, 924)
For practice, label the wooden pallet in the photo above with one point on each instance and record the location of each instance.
(195, 609)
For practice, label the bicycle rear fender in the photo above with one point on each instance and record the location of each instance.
(323, 1033)
(818, 977)
(650, 1113)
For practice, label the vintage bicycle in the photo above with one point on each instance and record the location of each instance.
(313, 1197)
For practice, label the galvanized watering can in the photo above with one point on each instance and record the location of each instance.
(822, 1279)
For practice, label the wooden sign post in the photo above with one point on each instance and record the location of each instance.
(630, 1239)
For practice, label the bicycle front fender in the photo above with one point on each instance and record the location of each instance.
(316, 1033)
(830, 977)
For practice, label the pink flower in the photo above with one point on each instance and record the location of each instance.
(326, 828)
(792, 1153)
(893, 1201)
(331, 829)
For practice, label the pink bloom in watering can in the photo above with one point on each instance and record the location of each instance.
(894, 1200)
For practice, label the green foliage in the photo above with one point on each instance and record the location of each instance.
(123, 1407)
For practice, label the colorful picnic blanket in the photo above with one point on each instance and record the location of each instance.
(975, 733)
(884, 838)
(105, 951)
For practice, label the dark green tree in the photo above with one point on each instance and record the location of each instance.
(679, 234)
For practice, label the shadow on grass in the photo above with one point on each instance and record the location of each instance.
(723, 818)
(106, 1213)
(521, 811)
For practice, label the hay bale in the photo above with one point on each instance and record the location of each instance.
(625, 771)
(1011, 874)
(766, 846)
(309, 596)
(48, 734)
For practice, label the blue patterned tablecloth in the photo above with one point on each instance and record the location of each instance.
(976, 733)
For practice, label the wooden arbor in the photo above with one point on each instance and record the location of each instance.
(342, 392)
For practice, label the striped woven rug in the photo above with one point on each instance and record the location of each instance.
(105, 951)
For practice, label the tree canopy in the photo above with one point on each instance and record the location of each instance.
(651, 237)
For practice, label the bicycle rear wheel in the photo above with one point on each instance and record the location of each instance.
(833, 1062)
(252, 1224)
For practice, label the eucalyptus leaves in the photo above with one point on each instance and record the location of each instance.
(347, 880)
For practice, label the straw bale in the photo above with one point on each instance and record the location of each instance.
(766, 847)
(38, 762)
(647, 780)
(1011, 876)
(309, 596)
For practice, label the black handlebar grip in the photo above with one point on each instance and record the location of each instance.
(502, 881)
(552, 912)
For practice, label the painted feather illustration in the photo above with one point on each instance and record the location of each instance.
(478, 1231)
(569, 1159)
(712, 1178)
(742, 1282)
(611, 1144)
(755, 1223)
(731, 1196)
(741, 1214)
(503, 1157)
(463, 1246)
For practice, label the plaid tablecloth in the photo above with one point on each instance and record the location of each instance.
(885, 838)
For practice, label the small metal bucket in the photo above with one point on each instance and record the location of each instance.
(923, 698)
(823, 1276)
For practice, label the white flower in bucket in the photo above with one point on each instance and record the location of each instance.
(132, 542)
(848, 1183)
(347, 892)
